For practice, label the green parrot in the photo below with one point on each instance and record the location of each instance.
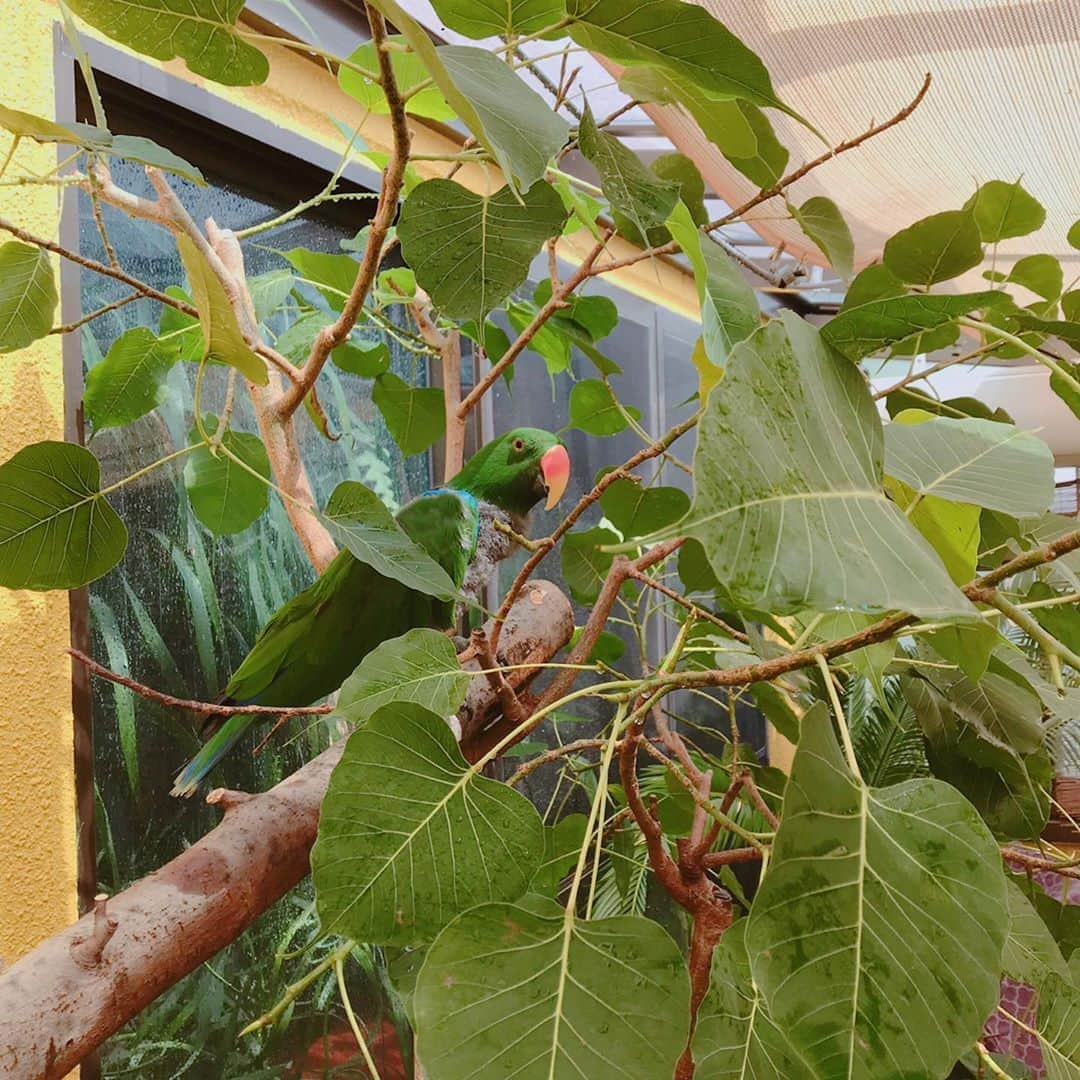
(312, 643)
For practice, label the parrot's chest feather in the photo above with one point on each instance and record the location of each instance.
(492, 546)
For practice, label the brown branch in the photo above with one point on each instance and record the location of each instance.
(554, 754)
(96, 313)
(330, 337)
(714, 859)
(207, 707)
(56, 1011)
(98, 267)
(546, 544)
(512, 709)
(557, 300)
(841, 148)
(697, 612)
(1037, 862)
(709, 907)
(768, 670)
(672, 247)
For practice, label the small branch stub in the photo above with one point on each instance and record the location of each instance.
(87, 951)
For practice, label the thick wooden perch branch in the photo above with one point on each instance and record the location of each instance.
(74, 990)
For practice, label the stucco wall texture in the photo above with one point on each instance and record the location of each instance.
(37, 790)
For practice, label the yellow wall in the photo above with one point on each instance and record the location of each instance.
(37, 789)
(37, 801)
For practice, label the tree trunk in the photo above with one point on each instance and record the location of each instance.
(63, 999)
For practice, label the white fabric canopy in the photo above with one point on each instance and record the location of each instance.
(1005, 103)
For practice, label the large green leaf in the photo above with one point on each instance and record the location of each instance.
(860, 330)
(729, 307)
(220, 330)
(631, 187)
(876, 936)
(226, 498)
(470, 251)
(28, 295)
(202, 32)
(421, 666)
(130, 381)
(415, 415)
(594, 411)
(788, 487)
(950, 528)
(1031, 953)
(935, 249)
(410, 835)
(409, 72)
(516, 124)
(986, 739)
(995, 466)
(1059, 1028)
(1042, 274)
(735, 1038)
(358, 519)
(528, 990)
(680, 38)
(821, 220)
(332, 274)
(636, 510)
(677, 169)
(56, 529)
(499, 18)
(1002, 210)
(584, 565)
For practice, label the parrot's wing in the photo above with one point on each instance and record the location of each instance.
(312, 643)
(446, 523)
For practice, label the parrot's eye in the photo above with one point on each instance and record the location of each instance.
(519, 445)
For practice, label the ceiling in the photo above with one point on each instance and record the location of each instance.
(1004, 103)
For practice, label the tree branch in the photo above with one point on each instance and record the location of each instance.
(330, 337)
(75, 989)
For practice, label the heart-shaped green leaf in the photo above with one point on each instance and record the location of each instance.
(529, 991)
(56, 529)
(996, 466)
(1002, 210)
(201, 32)
(409, 72)
(471, 251)
(358, 519)
(508, 18)
(935, 249)
(130, 380)
(514, 122)
(632, 188)
(859, 878)
(28, 296)
(636, 510)
(594, 411)
(821, 220)
(782, 527)
(414, 415)
(421, 666)
(226, 498)
(410, 835)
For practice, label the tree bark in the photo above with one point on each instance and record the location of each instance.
(63, 999)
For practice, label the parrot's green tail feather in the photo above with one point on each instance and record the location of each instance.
(220, 744)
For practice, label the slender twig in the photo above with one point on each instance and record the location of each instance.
(330, 337)
(841, 148)
(698, 612)
(553, 754)
(556, 301)
(98, 267)
(587, 500)
(208, 707)
(96, 313)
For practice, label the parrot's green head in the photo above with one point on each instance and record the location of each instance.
(517, 470)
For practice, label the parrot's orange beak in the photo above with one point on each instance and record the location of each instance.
(555, 465)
